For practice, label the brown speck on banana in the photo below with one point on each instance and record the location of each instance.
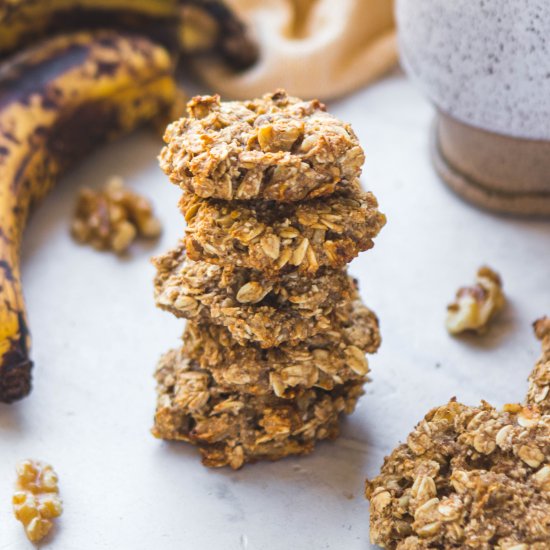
(58, 101)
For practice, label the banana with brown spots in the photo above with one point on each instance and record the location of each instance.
(58, 100)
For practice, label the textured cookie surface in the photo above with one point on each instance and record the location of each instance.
(324, 361)
(231, 428)
(467, 477)
(290, 309)
(539, 380)
(275, 148)
(278, 238)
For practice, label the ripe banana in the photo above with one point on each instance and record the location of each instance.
(24, 21)
(58, 100)
(194, 26)
(209, 26)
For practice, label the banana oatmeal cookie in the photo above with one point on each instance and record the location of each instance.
(231, 428)
(270, 313)
(275, 344)
(274, 148)
(539, 380)
(277, 238)
(470, 477)
(323, 361)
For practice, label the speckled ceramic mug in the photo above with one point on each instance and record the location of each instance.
(485, 64)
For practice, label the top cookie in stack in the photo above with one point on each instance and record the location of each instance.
(280, 150)
(276, 148)
(276, 339)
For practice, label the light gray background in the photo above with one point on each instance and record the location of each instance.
(97, 336)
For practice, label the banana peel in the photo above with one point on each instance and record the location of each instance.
(26, 21)
(62, 96)
(59, 100)
(194, 27)
(210, 27)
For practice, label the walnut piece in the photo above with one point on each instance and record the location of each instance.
(475, 306)
(274, 148)
(278, 238)
(231, 428)
(36, 501)
(253, 309)
(112, 218)
(470, 477)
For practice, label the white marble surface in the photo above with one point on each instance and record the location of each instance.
(97, 336)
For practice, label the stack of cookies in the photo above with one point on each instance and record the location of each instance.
(275, 343)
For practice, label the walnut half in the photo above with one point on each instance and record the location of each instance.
(36, 501)
(475, 306)
(112, 218)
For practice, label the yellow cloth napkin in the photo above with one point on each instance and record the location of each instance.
(312, 48)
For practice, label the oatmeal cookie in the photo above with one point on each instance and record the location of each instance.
(277, 238)
(539, 380)
(231, 428)
(467, 477)
(323, 361)
(270, 313)
(274, 148)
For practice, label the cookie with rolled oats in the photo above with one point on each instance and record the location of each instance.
(274, 350)
(231, 428)
(277, 238)
(323, 361)
(539, 380)
(274, 148)
(470, 477)
(290, 309)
